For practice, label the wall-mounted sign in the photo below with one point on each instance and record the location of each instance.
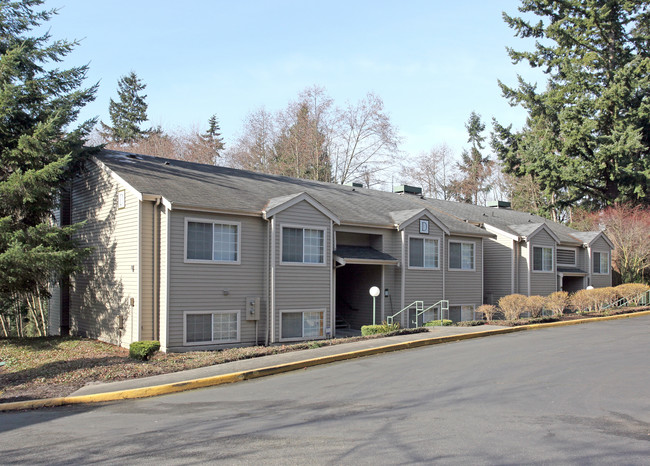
(424, 227)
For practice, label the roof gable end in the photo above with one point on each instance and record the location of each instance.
(279, 204)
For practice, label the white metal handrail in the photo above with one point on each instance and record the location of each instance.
(444, 306)
(419, 305)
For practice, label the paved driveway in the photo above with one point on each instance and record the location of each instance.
(577, 394)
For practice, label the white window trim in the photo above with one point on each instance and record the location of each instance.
(552, 259)
(303, 338)
(575, 256)
(609, 261)
(408, 251)
(473, 269)
(212, 342)
(121, 199)
(304, 227)
(213, 222)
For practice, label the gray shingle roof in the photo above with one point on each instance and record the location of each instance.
(192, 185)
(362, 252)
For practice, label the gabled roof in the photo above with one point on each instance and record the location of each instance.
(528, 230)
(278, 204)
(588, 237)
(193, 186)
(404, 218)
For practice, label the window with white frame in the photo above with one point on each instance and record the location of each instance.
(302, 324)
(303, 245)
(212, 241)
(601, 263)
(542, 259)
(461, 255)
(424, 252)
(211, 327)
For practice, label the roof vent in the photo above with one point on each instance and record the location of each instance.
(131, 156)
(406, 189)
(355, 185)
(499, 204)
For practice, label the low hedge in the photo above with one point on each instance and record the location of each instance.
(470, 323)
(143, 350)
(438, 323)
(377, 329)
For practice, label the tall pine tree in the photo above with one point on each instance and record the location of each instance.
(475, 169)
(587, 136)
(38, 148)
(128, 113)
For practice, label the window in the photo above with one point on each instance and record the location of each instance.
(601, 263)
(121, 199)
(212, 327)
(461, 313)
(212, 241)
(423, 253)
(302, 324)
(542, 259)
(461, 256)
(566, 256)
(303, 245)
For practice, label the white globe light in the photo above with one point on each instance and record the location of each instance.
(374, 291)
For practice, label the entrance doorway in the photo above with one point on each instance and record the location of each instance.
(353, 302)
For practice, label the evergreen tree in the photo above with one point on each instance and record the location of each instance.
(128, 113)
(37, 154)
(213, 136)
(587, 136)
(475, 169)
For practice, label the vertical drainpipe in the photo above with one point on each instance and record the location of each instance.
(272, 323)
(482, 274)
(529, 247)
(590, 268)
(403, 236)
(156, 270)
(267, 278)
(513, 267)
(332, 285)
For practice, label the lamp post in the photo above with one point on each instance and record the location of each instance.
(374, 292)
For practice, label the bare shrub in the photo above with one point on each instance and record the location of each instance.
(513, 306)
(631, 291)
(535, 305)
(488, 311)
(581, 300)
(557, 302)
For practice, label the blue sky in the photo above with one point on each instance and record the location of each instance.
(432, 62)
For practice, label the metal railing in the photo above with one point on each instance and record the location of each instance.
(419, 305)
(642, 299)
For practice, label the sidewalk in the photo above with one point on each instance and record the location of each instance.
(275, 360)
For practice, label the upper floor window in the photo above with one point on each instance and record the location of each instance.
(423, 253)
(212, 241)
(601, 263)
(542, 259)
(303, 245)
(461, 255)
(566, 256)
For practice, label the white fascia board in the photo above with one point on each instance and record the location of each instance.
(117, 178)
(299, 198)
(498, 231)
(547, 229)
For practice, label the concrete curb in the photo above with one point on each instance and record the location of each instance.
(165, 389)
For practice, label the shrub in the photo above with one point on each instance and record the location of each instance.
(381, 328)
(631, 291)
(513, 306)
(439, 323)
(557, 302)
(535, 305)
(470, 323)
(488, 311)
(143, 350)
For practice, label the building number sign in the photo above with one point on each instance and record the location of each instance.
(424, 227)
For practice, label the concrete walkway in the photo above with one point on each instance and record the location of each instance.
(274, 360)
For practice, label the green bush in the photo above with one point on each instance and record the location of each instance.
(376, 329)
(439, 323)
(143, 350)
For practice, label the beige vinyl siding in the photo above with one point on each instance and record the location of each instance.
(601, 280)
(522, 269)
(582, 259)
(542, 283)
(215, 286)
(302, 287)
(392, 273)
(422, 284)
(464, 287)
(497, 268)
(146, 275)
(103, 292)
(164, 277)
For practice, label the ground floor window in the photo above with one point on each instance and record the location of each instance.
(461, 313)
(212, 327)
(302, 324)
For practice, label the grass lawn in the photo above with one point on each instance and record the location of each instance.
(57, 366)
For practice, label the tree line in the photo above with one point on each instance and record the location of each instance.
(583, 151)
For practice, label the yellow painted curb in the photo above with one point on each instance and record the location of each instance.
(165, 389)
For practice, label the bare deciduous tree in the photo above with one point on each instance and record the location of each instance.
(434, 171)
(254, 149)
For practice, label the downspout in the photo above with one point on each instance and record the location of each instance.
(403, 235)
(271, 326)
(529, 247)
(267, 274)
(514, 267)
(156, 270)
